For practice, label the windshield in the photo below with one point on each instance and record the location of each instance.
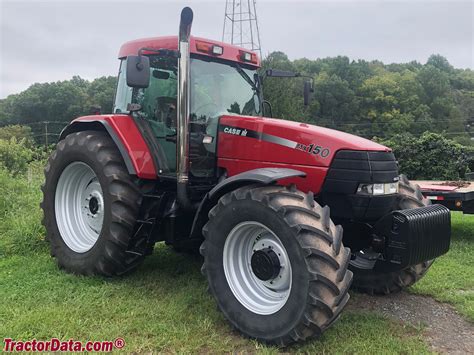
(218, 89)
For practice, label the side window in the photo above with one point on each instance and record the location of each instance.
(123, 94)
(158, 101)
(158, 105)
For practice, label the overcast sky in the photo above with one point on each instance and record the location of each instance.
(53, 40)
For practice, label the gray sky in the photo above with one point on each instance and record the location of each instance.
(53, 40)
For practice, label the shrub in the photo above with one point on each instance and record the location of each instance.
(21, 231)
(15, 155)
(431, 156)
(17, 131)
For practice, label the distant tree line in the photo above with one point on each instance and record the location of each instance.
(57, 103)
(372, 99)
(400, 105)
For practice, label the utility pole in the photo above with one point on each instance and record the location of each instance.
(241, 25)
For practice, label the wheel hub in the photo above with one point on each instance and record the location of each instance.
(265, 264)
(94, 205)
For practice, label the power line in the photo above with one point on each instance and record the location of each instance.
(41, 130)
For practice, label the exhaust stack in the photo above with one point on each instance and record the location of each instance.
(182, 142)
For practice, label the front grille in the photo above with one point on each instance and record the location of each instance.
(349, 168)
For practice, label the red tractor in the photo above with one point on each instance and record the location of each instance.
(189, 158)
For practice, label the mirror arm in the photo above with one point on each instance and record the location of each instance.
(268, 74)
(270, 108)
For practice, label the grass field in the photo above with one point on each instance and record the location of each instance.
(164, 306)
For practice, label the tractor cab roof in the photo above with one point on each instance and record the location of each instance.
(197, 46)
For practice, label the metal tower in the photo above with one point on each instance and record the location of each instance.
(241, 26)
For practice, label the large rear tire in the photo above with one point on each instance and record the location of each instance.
(275, 263)
(372, 282)
(90, 206)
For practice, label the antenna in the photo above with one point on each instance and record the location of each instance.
(241, 26)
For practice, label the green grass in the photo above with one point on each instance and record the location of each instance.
(451, 278)
(164, 306)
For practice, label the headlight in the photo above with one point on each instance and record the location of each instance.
(378, 189)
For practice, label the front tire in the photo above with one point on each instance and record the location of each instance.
(90, 206)
(372, 282)
(275, 263)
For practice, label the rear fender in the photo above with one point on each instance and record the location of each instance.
(128, 139)
(263, 176)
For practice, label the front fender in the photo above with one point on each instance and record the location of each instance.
(263, 176)
(124, 132)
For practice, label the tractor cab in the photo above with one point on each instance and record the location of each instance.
(221, 80)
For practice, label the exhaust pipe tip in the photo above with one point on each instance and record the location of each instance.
(185, 23)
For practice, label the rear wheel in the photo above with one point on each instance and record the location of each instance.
(372, 282)
(275, 263)
(90, 206)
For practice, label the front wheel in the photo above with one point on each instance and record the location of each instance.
(275, 263)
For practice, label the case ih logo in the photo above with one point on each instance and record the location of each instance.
(236, 131)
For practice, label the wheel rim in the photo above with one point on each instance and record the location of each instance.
(79, 207)
(245, 242)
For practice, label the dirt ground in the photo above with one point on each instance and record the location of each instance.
(445, 330)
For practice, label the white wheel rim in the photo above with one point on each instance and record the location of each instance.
(79, 207)
(259, 296)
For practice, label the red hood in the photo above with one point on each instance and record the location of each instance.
(342, 139)
(276, 140)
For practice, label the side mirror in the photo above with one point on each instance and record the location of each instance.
(138, 71)
(307, 90)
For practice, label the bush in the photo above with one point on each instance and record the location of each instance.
(15, 155)
(19, 132)
(431, 156)
(21, 231)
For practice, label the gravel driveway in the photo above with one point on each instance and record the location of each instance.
(445, 330)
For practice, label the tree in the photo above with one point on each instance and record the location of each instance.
(440, 62)
(435, 83)
(101, 92)
(336, 104)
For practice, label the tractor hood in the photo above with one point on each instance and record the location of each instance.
(280, 141)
